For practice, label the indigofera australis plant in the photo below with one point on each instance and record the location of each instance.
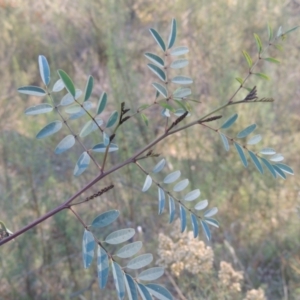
(173, 95)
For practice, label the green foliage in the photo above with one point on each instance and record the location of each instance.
(173, 98)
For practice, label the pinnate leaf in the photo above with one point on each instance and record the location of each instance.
(44, 69)
(172, 177)
(201, 205)
(65, 144)
(172, 36)
(140, 261)
(245, 132)
(158, 39)
(147, 183)
(67, 82)
(155, 59)
(194, 225)
(102, 267)
(230, 121)
(179, 51)
(159, 291)
(38, 109)
(193, 195)
(32, 90)
(82, 164)
(159, 166)
(151, 274)
(49, 129)
(181, 185)
(88, 247)
(120, 236)
(118, 280)
(88, 88)
(129, 250)
(105, 219)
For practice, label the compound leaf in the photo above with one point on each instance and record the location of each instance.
(151, 274)
(112, 119)
(161, 89)
(58, 86)
(206, 230)
(181, 185)
(155, 59)
(32, 90)
(65, 144)
(102, 148)
(67, 82)
(172, 36)
(159, 291)
(179, 51)
(248, 58)
(105, 138)
(49, 129)
(268, 151)
(201, 205)
(171, 209)
(269, 166)
(145, 119)
(38, 109)
(90, 127)
(241, 154)
(179, 63)
(277, 157)
(211, 212)
(120, 236)
(105, 219)
(262, 75)
(158, 39)
(258, 43)
(256, 162)
(285, 169)
(140, 261)
(88, 247)
(159, 166)
(130, 287)
(182, 80)
(279, 172)
(144, 292)
(102, 267)
(230, 121)
(254, 140)
(212, 222)
(172, 177)
(82, 164)
(88, 88)
(102, 103)
(158, 72)
(147, 183)
(270, 32)
(193, 195)
(272, 60)
(118, 280)
(161, 200)
(182, 214)
(224, 141)
(181, 93)
(129, 250)
(44, 69)
(245, 132)
(195, 225)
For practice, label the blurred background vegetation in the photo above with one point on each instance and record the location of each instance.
(258, 244)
